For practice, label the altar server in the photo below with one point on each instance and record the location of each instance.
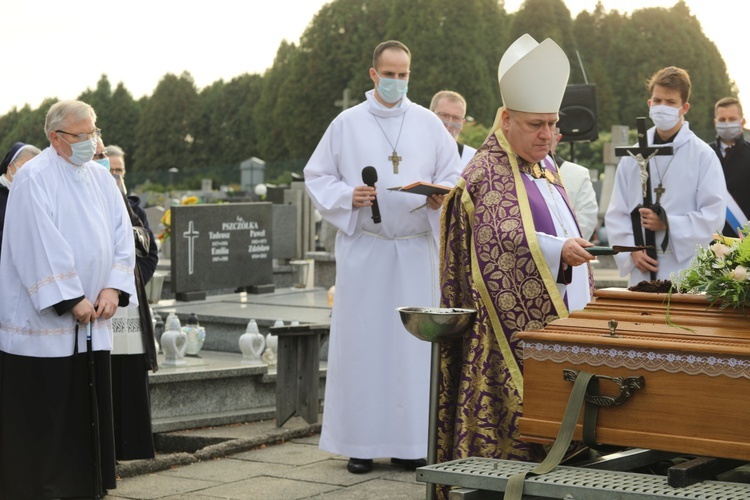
(687, 194)
(513, 251)
(67, 261)
(377, 386)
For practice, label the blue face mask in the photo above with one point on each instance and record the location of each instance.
(103, 162)
(391, 90)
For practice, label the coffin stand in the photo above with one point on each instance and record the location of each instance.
(694, 395)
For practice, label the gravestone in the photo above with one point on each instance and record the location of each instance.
(252, 173)
(297, 197)
(284, 244)
(619, 138)
(154, 215)
(221, 246)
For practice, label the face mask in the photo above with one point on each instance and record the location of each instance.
(81, 151)
(664, 117)
(729, 131)
(103, 162)
(392, 90)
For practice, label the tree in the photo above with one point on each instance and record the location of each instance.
(544, 19)
(268, 132)
(122, 122)
(164, 134)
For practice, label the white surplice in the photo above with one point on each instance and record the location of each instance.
(68, 235)
(694, 200)
(377, 387)
(467, 154)
(582, 196)
(577, 293)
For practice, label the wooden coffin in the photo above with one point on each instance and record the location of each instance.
(696, 395)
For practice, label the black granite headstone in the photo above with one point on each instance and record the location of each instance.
(216, 246)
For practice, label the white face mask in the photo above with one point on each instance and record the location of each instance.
(82, 152)
(664, 117)
(391, 90)
(729, 131)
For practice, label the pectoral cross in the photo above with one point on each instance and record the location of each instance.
(395, 159)
(191, 234)
(659, 191)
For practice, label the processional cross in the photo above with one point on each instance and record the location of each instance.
(642, 154)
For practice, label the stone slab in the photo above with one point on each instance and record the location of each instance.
(213, 389)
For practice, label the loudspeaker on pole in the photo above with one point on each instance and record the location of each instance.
(578, 115)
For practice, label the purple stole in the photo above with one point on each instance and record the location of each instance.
(541, 214)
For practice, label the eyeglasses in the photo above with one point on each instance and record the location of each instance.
(448, 117)
(100, 156)
(83, 135)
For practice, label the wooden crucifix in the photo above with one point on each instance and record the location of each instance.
(642, 154)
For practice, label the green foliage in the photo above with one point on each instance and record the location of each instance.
(721, 272)
(280, 116)
(474, 134)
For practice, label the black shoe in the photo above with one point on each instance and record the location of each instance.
(359, 465)
(409, 464)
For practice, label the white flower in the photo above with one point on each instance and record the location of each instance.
(721, 250)
(739, 273)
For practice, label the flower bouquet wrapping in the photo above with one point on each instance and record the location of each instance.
(721, 272)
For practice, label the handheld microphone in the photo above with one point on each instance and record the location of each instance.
(370, 177)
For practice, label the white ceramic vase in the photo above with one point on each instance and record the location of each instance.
(174, 342)
(252, 344)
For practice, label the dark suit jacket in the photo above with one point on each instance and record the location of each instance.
(736, 168)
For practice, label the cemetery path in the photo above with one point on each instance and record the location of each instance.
(286, 464)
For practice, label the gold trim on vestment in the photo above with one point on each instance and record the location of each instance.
(529, 229)
(476, 274)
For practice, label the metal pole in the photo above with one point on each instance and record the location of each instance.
(94, 413)
(432, 425)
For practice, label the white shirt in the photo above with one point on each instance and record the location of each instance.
(70, 236)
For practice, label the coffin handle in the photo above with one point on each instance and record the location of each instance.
(626, 384)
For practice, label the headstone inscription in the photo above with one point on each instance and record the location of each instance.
(220, 246)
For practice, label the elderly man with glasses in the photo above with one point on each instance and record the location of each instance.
(451, 109)
(68, 260)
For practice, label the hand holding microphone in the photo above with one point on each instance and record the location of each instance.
(370, 177)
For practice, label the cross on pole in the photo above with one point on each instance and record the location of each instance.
(347, 102)
(642, 154)
(191, 234)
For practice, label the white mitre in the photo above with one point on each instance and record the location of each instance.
(533, 76)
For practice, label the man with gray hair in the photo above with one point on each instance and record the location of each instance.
(116, 159)
(450, 107)
(68, 259)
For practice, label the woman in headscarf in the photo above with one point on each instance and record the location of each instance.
(18, 154)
